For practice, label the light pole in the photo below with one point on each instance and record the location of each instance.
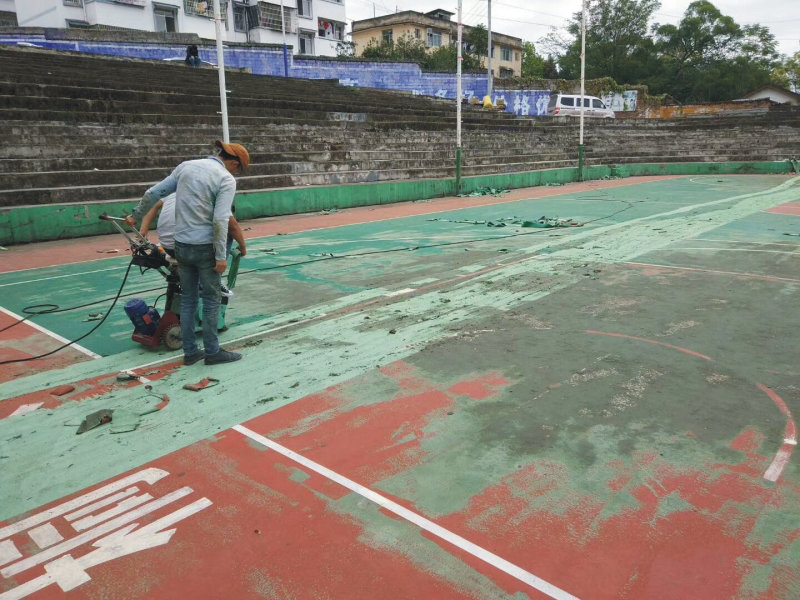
(223, 96)
(489, 52)
(583, 87)
(285, 54)
(459, 95)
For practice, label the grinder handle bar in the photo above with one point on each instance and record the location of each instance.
(137, 240)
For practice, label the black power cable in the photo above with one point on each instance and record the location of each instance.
(53, 308)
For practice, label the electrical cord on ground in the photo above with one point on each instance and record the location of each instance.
(42, 309)
(440, 245)
(54, 308)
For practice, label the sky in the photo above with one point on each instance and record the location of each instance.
(531, 20)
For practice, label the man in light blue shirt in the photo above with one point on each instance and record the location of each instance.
(204, 195)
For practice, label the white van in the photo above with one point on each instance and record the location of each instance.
(569, 105)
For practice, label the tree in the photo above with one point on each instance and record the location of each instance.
(617, 42)
(532, 63)
(709, 57)
(477, 40)
(345, 49)
(787, 72)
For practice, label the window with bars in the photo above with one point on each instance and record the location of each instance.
(304, 8)
(387, 37)
(434, 38)
(205, 8)
(505, 53)
(269, 17)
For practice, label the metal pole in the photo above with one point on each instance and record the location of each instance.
(285, 54)
(583, 87)
(459, 98)
(489, 53)
(223, 96)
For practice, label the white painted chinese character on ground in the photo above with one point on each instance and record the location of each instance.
(107, 517)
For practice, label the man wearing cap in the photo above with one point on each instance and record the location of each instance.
(204, 196)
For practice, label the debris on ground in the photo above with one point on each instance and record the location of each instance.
(123, 420)
(204, 383)
(61, 390)
(485, 191)
(542, 222)
(111, 251)
(93, 317)
(95, 419)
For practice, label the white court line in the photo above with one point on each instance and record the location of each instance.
(736, 250)
(77, 262)
(25, 409)
(456, 540)
(81, 274)
(744, 242)
(399, 292)
(52, 334)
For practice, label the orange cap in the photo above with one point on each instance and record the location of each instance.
(236, 150)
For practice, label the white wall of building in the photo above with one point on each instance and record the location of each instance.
(308, 19)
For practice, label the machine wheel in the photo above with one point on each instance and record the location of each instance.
(172, 338)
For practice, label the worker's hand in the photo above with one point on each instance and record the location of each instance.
(130, 220)
(243, 250)
(221, 265)
(143, 233)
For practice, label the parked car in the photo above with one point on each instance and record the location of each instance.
(569, 105)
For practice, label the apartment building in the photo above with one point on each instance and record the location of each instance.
(313, 27)
(435, 28)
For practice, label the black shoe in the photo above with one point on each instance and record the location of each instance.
(190, 360)
(224, 291)
(223, 356)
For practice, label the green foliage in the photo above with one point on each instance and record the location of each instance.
(709, 57)
(787, 73)
(345, 49)
(477, 39)
(706, 57)
(532, 63)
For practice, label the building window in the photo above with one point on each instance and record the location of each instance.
(304, 8)
(205, 8)
(505, 53)
(434, 38)
(516, 56)
(166, 19)
(330, 30)
(306, 39)
(506, 73)
(239, 17)
(77, 3)
(416, 34)
(269, 17)
(387, 36)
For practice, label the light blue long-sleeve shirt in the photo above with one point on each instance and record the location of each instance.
(205, 191)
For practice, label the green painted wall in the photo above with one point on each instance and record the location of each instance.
(51, 222)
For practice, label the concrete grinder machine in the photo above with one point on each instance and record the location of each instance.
(150, 327)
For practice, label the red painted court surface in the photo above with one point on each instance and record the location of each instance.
(452, 410)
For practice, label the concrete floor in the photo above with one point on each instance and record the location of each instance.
(429, 407)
